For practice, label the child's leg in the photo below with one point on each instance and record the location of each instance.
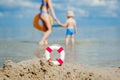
(45, 19)
(73, 40)
(67, 39)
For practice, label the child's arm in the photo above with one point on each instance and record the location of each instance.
(63, 25)
(75, 27)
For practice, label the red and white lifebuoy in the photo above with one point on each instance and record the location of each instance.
(60, 50)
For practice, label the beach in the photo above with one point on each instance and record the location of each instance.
(24, 60)
(94, 25)
(94, 56)
(40, 69)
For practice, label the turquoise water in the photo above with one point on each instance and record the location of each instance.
(95, 46)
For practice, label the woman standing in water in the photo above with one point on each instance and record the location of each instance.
(46, 6)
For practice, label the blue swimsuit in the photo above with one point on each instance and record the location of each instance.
(70, 31)
(43, 4)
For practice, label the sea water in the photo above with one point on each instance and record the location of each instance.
(94, 46)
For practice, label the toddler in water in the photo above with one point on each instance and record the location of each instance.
(71, 27)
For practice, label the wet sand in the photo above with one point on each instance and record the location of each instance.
(39, 69)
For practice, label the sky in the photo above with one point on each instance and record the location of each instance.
(20, 13)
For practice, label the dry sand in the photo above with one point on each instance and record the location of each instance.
(39, 69)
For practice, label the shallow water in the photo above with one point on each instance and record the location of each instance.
(95, 46)
(89, 53)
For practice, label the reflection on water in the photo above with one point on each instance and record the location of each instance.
(99, 53)
(70, 56)
(93, 53)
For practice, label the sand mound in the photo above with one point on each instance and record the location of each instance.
(38, 69)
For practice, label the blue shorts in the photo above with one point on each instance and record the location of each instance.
(70, 31)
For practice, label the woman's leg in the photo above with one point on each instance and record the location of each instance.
(45, 42)
(45, 19)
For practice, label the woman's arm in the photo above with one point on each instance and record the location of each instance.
(51, 9)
